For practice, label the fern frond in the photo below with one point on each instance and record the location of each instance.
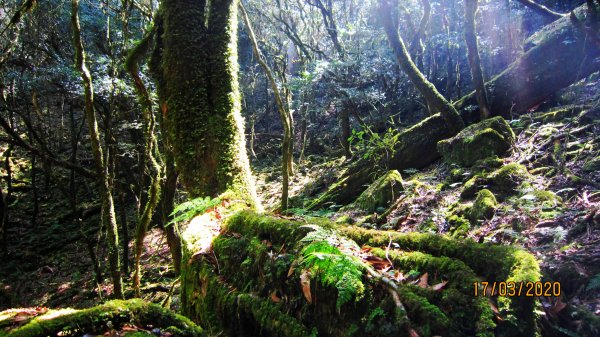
(189, 209)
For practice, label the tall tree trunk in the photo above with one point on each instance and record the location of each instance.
(196, 69)
(284, 113)
(108, 207)
(200, 100)
(474, 61)
(435, 100)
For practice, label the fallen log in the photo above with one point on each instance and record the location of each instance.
(109, 317)
(269, 276)
(536, 75)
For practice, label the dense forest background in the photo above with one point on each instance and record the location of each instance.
(325, 103)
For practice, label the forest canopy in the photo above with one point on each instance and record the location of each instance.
(299, 168)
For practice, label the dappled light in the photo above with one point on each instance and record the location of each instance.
(242, 168)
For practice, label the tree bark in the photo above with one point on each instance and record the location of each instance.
(150, 153)
(108, 207)
(473, 56)
(435, 100)
(199, 96)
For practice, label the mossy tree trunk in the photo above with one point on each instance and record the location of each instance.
(195, 65)
(284, 113)
(101, 163)
(150, 153)
(473, 56)
(435, 101)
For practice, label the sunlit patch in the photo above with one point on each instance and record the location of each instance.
(57, 313)
(201, 231)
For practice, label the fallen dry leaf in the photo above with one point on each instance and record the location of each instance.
(305, 283)
(423, 281)
(439, 286)
(413, 333)
(493, 306)
(274, 297)
(557, 307)
(378, 263)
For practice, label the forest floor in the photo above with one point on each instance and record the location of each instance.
(555, 215)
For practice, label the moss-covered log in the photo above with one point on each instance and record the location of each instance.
(525, 83)
(106, 317)
(270, 276)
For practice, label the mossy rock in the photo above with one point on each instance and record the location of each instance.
(471, 187)
(458, 226)
(492, 137)
(484, 206)
(506, 179)
(502, 182)
(381, 193)
(69, 322)
(345, 219)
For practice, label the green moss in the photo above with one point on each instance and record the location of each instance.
(592, 165)
(458, 226)
(489, 138)
(508, 177)
(458, 291)
(472, 186)
(344, 219)
(484, 206)
(492, 262)
(381, 193)
(255, 266)
(68, 322)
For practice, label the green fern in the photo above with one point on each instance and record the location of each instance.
(332, 267)
(189, 209)
(594, 283)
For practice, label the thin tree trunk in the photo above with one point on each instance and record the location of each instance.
(286, 119)
(434, 99)
(416, 47)
(345, 131)
(124, 232)
(108, 209)
(303, 132)
(474, 61)
(34, 189)
(168, 202)
(6, 197)
(4, 221)
(135, 56)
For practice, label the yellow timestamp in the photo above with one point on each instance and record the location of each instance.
(517, 289)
